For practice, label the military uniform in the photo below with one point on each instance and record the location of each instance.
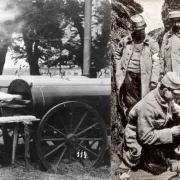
(149, 67)
(136, 65)
(148, 127)
(170, 49)
(170, 53)
(135, 85)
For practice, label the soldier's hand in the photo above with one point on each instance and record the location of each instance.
(175, 130)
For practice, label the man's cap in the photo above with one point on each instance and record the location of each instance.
(138, 22)
(172, 80)
(174, 15)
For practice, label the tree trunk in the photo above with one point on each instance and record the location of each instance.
(3, 52)
(32, 55)
(81, 34)
(77, 23)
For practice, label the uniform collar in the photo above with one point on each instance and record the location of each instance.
(170, 34)
(145, 42)
(159, 98)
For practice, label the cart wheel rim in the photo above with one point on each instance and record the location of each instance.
(71, 132)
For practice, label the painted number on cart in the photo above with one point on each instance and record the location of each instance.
(82, 154)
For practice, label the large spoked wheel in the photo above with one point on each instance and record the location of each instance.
(71, 132)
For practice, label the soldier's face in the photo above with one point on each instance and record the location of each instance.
(176, 24)
(168, 94)
(139, 33)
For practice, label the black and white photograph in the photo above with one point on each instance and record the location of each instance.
(145, 106)
(55, 89)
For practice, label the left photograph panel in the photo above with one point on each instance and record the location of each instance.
(55, 89)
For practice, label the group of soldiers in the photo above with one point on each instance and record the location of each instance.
(148, 84)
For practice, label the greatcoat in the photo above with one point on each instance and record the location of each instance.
(147, 125)
(150, 67)
(170, 53)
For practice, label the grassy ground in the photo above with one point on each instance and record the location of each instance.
(74, 171)
(18, 172)
(104, 73)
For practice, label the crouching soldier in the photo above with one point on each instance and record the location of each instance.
(150, 130)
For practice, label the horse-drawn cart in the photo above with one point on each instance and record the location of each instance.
(74, 113)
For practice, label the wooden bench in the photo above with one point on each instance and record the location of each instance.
(26, 121)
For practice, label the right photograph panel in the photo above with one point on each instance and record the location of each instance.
(145, 113)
